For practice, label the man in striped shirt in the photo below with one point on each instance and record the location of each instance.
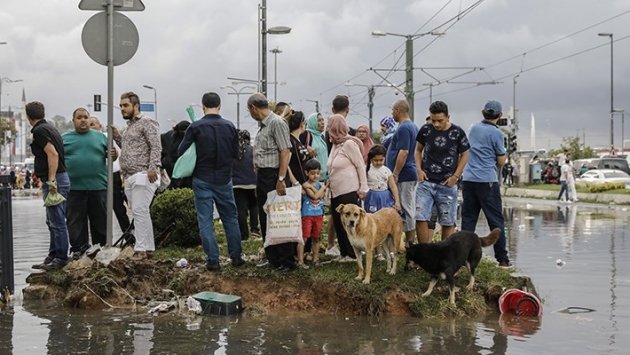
(271, 159)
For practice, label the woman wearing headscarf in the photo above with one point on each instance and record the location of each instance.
(347, 177)
(388, 127)
(363, 133)
(313, 139)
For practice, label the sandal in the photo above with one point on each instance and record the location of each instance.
(316, 262)
(303, 266)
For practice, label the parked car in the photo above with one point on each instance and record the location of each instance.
(605, 175)
(605, 163)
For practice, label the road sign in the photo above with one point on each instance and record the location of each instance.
(119, 5)
(147, 107)
(94, 38)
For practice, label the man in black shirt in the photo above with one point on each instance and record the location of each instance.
(50, 167)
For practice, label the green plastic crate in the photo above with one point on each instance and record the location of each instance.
(218, 304)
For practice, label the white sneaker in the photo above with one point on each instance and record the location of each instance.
(569, 201)
(575, 200)
(334, 251)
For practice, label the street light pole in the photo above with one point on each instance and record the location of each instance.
(238, 100)
(409, 93)
(277, 30)
(514, 121)
(154, 99)
(275, 52)
(612, 140)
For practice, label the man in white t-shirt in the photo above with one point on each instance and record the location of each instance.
(565, 171)
(571, 178)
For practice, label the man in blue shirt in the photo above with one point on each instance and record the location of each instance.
(217, 146)
(400, 161)
(481, 191)
(441, 154)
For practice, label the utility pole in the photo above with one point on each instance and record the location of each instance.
(409, 94)
(316, 104)
(371, 106)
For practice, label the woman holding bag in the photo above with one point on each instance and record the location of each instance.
(346, 171)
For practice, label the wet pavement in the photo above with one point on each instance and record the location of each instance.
(591, 240)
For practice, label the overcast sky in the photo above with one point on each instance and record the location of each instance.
(188, 47)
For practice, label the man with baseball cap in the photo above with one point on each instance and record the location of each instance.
(481, 191)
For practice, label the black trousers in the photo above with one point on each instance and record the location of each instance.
(119, 203)
(246, 205)
(81, 207)
(342, 237)
(281, 254)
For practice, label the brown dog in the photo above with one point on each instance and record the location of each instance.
(368, 230)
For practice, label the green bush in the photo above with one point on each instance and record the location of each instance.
(177, 206)
(607, 186)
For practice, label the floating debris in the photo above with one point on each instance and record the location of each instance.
(572, 310)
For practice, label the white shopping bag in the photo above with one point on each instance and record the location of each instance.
(284, 217)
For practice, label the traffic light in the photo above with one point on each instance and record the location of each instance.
(97, 103)
(513, 143)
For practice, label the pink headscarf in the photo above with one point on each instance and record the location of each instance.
(338, 130)
(368, 143)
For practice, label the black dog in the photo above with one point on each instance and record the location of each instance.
(444, 258)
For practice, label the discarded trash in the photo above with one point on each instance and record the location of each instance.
(529, 217)
(560, 262)
(572, 310)
(214, 303)
(163, 307)
(529, 206)
(181, 263)
(521, 227)
(520, 302)
(193, 305)
(624, 209)
(107, 254)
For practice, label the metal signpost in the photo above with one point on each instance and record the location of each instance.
(110, 39)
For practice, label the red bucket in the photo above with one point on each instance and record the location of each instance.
(520, 303)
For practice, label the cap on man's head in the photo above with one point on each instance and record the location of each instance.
(492, 107)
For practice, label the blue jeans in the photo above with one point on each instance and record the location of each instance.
(206, 195)
(444, 198)
(486, 197)
(56, 219)
(564, 188)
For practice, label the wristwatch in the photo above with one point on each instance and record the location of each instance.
(281, 178)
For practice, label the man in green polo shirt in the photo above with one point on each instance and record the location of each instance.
(86, 154)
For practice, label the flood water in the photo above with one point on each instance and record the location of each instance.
(591, 239)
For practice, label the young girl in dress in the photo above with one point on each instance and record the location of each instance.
(382, 191)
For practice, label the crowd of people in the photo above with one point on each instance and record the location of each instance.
(415, 170)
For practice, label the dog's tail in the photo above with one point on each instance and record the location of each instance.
(491, 238)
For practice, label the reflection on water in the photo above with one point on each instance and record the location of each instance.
(591, 240)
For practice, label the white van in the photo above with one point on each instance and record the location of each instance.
(30, 164)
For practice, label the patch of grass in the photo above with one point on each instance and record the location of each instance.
(178, 283)
(176, 253)
(101, 282)
(59, 278)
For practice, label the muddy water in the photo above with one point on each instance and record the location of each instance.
(590, 239)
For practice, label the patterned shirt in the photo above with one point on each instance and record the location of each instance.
(272, 138)
(441, 150)
(140, 146)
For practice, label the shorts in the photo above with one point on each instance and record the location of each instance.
(442, 196)
(407, 189)
(312, 226)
